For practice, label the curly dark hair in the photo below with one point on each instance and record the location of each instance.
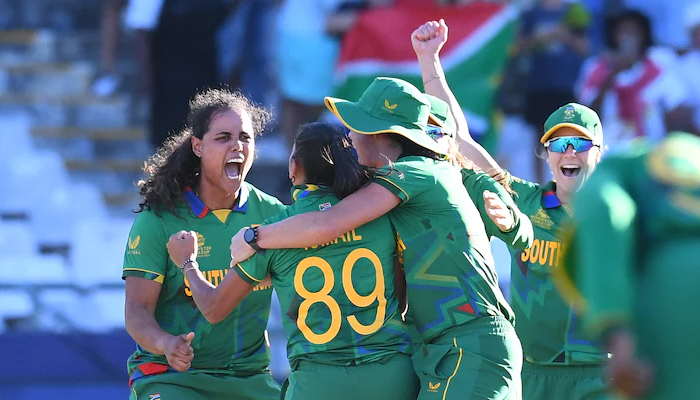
(174, 166)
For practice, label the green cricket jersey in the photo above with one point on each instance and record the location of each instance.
(635, 256)
(549, 329)
(445, 250)
(339, 297)
(237, 343)
(477, 182)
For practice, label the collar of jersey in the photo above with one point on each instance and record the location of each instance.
(549, 196)
(201, 210)
(301, 191)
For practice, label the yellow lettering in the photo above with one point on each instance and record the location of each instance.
(188, 292)
(355, 236)
(215, 278)
(345, 237)
(553, 246)
(543, 252)
(534, 250)
(525, 255)
(562, 248)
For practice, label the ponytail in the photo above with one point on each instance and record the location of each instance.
(328, 158)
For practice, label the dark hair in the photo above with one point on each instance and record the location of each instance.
(174, 166)
(461, 161)
(409, 148)
(326, 154)
(613, 22)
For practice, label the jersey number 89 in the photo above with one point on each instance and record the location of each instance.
(323, 296)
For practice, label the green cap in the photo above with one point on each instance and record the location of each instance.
(441, 116)
(576, 116)
(388, 105)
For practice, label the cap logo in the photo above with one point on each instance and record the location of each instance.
(389, 107)
(569, 113)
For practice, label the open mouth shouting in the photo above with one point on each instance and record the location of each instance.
(570, 170)
(234, 168)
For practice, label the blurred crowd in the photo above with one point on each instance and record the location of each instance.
(631, 60)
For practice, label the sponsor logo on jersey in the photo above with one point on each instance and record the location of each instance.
(133, 245)
(542, 220)
(203, 250)
(433, 387)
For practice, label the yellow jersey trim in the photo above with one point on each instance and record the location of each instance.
(397, 186)
(159, 277)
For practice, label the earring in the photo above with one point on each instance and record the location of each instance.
(292, 178)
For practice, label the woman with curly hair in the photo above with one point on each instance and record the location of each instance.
(196, 182)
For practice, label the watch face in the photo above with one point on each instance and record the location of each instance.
(249, 235)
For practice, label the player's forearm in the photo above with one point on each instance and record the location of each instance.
(206, 296)
(435, 83)
(144, 329)
(304, 230)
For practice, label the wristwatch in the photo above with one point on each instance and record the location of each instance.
(251, 237)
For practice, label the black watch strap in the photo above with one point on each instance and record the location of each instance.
(252, 242)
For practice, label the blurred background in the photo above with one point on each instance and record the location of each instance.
(89, 89)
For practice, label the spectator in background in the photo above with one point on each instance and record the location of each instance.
(246, 49)
(634, 87)
(184, 57)
(667, 18)
(554, 40)
(307, 50)
(141, 16)
(690, 64)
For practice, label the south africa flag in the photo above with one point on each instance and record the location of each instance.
(474, 57)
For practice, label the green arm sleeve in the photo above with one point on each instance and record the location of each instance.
(146, 254)
(476, 182)
(605, 222)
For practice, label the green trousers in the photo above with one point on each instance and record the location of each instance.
(203, 386)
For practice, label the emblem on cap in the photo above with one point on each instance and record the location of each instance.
(569, 113)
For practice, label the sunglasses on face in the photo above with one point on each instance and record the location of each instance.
(560, 144)
(435, 132)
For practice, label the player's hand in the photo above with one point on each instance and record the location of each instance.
(178, 351)
(429, 38)
(240, 250)
(632, 376)
(499, 213)
(182, 246)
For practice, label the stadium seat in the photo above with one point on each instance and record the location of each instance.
(97, 250)
(54, 222)
(64, 309)
(15, 129)
(16, 238)
(16, 303)
(109, 307)
(31, 269)
(29, 180)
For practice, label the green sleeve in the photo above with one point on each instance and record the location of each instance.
(255, 269)
(476, 182)
(404, 180)
(146, 254)
(605, 224)
(526, 193)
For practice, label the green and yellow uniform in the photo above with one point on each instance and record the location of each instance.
(520, 237)
(471, 348)
(634, 257)
(561, 360)
(342, 322)
(231, 357)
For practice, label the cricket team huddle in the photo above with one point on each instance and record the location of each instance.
(383, 265)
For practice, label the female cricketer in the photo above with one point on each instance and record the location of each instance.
(197, 182)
